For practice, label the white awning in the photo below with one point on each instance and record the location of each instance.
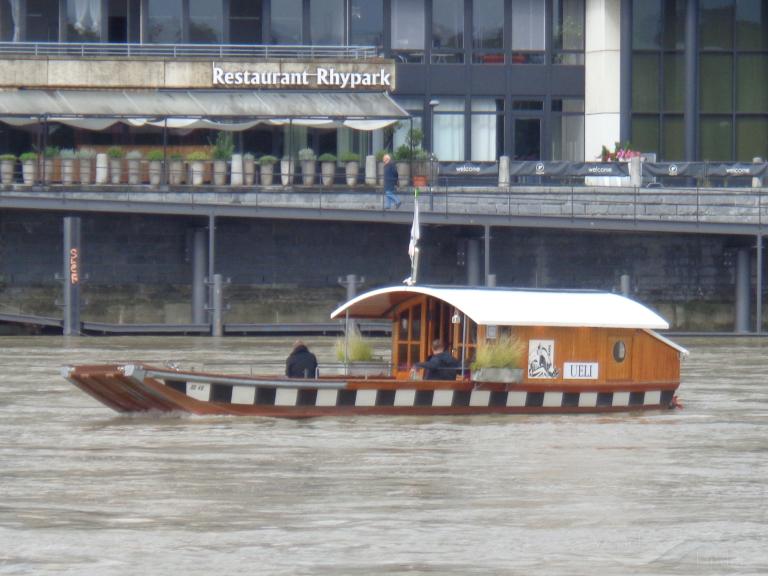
(510, 307)
(217, 109)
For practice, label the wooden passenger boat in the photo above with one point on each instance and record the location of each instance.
(584, 351)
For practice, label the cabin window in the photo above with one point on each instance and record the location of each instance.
(619, 351)
(409, 333)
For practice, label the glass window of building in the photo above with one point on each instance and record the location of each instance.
(286, 22)
(42, 20)
(716, 19)
(447, 31)
(326, 22)
(487, 129)
(366, 25)
(83, 21)
(123, 21)
(488, 31)
(245, 22)
(752, 25)
(568, 129)
(10, 25)
(448, 129)
(568, 31)
(164, 22)
(528, 31)
(408, 30)
(206, 22)
(414, 105)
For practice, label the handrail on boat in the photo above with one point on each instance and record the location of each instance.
(140, 373)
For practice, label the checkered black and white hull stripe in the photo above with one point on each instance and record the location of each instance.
(407, 398)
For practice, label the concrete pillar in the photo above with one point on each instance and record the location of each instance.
(625, 43)
(72, 275)
(487, 252)
(691, 114)
(743, 282)
(102, 168)
(370, 170)
(625, 285)
(490, 281)
(602, 76)
(503, 171)
(199, 264)
(635, 172)
(217, 306)
(473, 262)
(757, 182)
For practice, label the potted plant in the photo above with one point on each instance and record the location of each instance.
(7, 164)
(197, 159)
(267, 169)
(221, 151)
(67, 156)
(351, 167)
(499, 361)
(403, 160)
(380, 165)
(29, 167)
(356, 353)
(85, 158)
(327, 168)
(49, 155)
(249, 169)
(176, 171)
(420, 167)
(286, 170)
(308, 161)
(155, 158)
(116, 155)
(134, 167)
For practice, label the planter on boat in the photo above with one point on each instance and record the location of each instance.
(502, 375)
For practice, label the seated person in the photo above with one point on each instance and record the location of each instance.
(301, 363)
(441, 365)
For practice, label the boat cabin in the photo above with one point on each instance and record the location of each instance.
(569, 336)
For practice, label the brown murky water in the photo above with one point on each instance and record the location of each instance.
(86, 491)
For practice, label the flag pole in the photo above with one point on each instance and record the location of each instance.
(413, 245)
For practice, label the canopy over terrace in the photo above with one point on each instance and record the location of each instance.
(184, 109)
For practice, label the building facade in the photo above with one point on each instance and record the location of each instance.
(531, 79)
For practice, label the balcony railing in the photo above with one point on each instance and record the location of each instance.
(260, 51)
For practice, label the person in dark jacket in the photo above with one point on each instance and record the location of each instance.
(390, 183)
(301, 363)
(441, 365)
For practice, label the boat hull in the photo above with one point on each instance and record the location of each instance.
(140, 388)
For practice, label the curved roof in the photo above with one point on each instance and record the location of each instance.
(513, 307)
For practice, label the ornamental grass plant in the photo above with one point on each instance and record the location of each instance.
(506, 352)
(357, 348)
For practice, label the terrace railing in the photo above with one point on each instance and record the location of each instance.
(180, 51)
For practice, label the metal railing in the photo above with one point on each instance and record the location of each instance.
(260, 51)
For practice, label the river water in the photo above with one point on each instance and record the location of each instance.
(84, 490)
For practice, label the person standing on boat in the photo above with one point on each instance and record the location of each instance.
(390, 183)
(441, 365)
(301, 363)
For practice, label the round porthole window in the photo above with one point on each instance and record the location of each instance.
(619, 351)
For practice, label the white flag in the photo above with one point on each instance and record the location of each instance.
(414, 230)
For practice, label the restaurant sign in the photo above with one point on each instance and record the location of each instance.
(342, 76)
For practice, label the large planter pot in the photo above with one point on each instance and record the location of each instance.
(420, 181)
(115, 170)
(352, 170)
(134, 172)
(67, 171)
(403, 174)
(380, 173)
(46, 170)
(102, 168)
(29, 172)
(372, 369)
(502, 375)
(197, 166)
(85, 170)
(176, 172)
(236, 171)
(267, 174)
(308, 168)
(328, 171)
(286, 172)
(220, 172)
(155, 172)
(249, 171)
(6, 171)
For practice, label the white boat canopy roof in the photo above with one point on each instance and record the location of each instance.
(515, 307)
